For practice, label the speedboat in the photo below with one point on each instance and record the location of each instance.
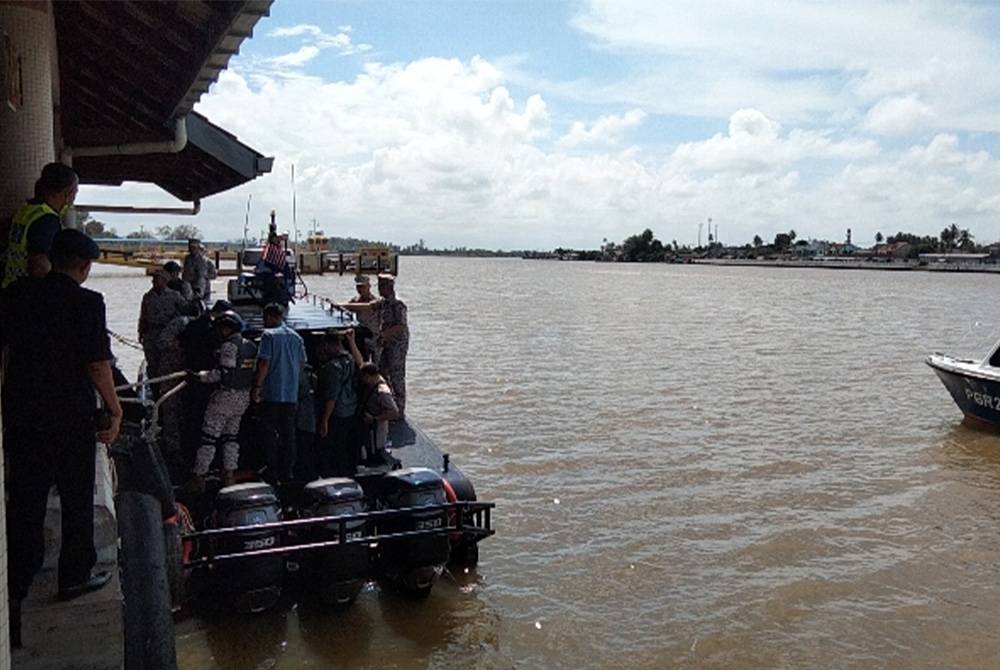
(974, 385)
(399, 519)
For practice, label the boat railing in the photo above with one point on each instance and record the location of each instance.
(143, 385)
(473, 519)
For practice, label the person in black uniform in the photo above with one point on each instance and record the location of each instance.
(58, 350)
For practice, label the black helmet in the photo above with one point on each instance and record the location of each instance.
(231, 320)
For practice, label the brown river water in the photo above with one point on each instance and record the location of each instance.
(694, 467)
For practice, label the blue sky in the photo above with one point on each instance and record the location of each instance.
(535, 125)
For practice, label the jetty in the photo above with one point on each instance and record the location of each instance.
(312, 258)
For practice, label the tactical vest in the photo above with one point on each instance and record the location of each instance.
(241, 378)
(17, 252)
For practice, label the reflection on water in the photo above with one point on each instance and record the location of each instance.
(694, 467)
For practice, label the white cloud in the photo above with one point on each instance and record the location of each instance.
(316, 40)
(802, 61)
(297, 58)
(754, 146)
(898, 116)
(294, 31)
(452, 151)
(606, 131)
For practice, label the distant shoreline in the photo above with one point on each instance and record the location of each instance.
(893, 266)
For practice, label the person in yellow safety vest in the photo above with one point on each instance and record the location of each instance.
(35, 225)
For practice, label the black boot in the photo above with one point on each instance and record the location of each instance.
(93, 583)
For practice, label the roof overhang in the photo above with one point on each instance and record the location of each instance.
(212, 161)
(129, 69)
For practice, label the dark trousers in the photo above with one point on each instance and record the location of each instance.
(39, 458)
(194, 402)
(278, 441)
(306, 458)
(340, 451)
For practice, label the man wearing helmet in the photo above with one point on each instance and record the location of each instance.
(234, 376)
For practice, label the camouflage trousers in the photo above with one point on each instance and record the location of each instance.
(222, 426)
(392, 365)
(151, 349)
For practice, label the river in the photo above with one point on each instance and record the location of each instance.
(694, 467)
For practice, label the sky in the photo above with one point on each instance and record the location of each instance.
(534, 125)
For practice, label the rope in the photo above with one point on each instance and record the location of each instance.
(124, 340)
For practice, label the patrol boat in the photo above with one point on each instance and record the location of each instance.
(400, 520)
(974, 385)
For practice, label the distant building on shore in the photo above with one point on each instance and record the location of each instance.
(955, 259)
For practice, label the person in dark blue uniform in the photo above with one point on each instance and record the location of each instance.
(59, 353)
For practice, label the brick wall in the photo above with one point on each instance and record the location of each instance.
(27, 140)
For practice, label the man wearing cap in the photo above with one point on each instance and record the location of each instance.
(368, 318)
(280, 359)
(55, 334)
(159, 306)
(393, 336)
(196, 270)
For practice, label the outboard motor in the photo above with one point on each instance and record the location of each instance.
(252, 584)
(415, 562)
(338, 572)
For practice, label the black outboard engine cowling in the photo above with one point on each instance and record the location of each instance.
(251, 584)
(415, 561)
(337, 572)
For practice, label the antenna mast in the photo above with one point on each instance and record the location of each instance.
(295, 221)
(246, 221)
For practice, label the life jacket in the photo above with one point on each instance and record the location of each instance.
(241, 377)
(17, 249)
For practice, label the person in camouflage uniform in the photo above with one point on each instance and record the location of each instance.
(393, 340)
(159, 307)
(198, 271)
(172, 360)
(229, 401)
(367, 318)
(174, 269)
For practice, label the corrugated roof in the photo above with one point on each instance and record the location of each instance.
(213, 161)
(127, 69)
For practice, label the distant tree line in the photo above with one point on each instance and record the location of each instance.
(644, 247)
(640, 248)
